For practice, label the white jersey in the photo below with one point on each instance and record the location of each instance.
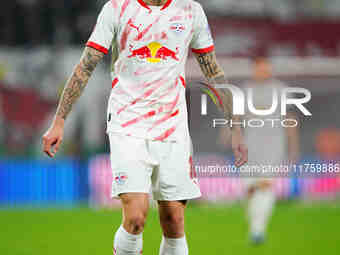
(150, 46)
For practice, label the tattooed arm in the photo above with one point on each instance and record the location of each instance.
(78, 80)
(215, 75)
(72, 91)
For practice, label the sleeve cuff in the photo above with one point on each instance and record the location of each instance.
(204, 50)
(97, 47)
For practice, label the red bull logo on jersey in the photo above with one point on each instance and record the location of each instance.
(154, 52)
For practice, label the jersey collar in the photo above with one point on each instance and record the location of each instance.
(166, 5)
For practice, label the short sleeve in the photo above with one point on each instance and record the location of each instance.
(103, 33)
(202, 41)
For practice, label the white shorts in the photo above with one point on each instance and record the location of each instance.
(141, 166)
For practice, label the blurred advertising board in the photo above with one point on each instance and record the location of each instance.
(215, 189)
(42, 183)
(100, 182)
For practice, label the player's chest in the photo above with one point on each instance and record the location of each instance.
(174, 27)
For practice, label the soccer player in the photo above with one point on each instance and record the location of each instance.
(279, 146)
(147, 115)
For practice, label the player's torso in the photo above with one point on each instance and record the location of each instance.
(152, 45)
(152, 37)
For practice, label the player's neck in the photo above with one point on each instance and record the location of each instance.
(155, 2)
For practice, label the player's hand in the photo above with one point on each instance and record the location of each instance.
(240, 150)
(53, 137)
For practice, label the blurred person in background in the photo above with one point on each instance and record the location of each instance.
(270, 146)
(147, 115)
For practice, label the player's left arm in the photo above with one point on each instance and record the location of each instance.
(215, 75)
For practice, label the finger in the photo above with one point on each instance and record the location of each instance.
(47, 147)
(56, 147)
(244, 155)
(237, 155)
(49, 153)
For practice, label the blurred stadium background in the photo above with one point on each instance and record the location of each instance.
(50, 206)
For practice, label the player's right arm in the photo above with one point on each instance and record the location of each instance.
(72, 91)
(203, 47)
(97, 46)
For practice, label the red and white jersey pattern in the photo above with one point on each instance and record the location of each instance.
(150, 46)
